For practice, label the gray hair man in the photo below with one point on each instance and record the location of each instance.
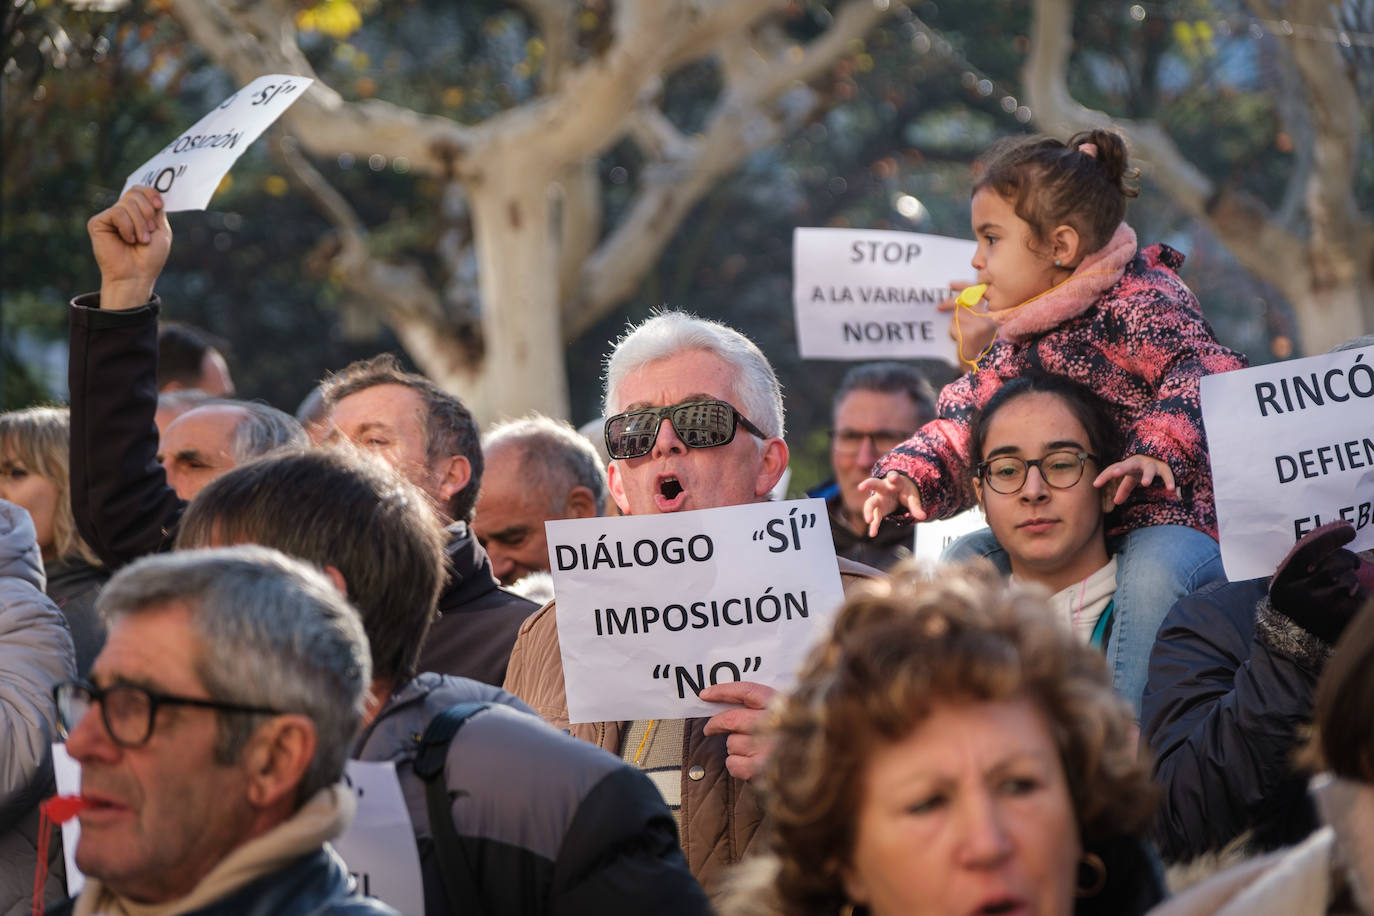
(542, 823)
(208, 440)
(431, 438)
(694, 421)
(212, 736)
(538, 469)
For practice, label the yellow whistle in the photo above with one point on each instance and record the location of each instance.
(972, 295)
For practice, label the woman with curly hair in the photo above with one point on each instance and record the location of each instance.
(33, 475)
(952, 748)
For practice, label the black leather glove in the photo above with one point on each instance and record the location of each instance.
(1315, 586)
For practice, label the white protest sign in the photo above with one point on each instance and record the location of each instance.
(379, 846)
(191, 167)
(933, 537)
(1292, 448)
(652, 608)
(865, 293)
(67, 774)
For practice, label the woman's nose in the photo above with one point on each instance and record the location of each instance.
(1034, 488)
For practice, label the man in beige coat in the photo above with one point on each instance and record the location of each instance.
(725, 450)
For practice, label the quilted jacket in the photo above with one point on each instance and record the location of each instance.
(35, 654)
(1123, 324)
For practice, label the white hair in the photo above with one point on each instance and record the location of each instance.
(671, 332)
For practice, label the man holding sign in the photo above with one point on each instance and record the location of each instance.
(732, 454)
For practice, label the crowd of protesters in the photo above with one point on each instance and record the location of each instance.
(218, 606)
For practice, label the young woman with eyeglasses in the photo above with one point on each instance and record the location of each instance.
(1039, 443)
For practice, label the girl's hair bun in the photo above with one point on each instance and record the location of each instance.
(1109, 149)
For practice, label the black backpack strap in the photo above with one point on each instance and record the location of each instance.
(460, 885)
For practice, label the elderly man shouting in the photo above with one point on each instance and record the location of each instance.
(695, 421)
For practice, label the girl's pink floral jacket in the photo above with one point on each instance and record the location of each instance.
(1126, 326)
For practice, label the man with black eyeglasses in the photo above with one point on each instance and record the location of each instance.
(695, 421)
(876, 408)
(212, 736)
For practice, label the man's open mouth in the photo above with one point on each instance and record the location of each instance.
(670, 488)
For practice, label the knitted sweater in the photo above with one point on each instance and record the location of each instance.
(1126, 326)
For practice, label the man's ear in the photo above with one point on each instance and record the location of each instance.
(337, 578)
(453, 474)
(978, 493)
(581, 503)
(1065, 246)
(617, 487)
(276, 759)
(772, 463)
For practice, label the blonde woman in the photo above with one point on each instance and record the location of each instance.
(33, 475)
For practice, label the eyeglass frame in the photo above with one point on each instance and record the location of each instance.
(665, 413)
(871, 435)
(1028, 463)
(155, 700)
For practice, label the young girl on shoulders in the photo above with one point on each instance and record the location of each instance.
(1072, 295)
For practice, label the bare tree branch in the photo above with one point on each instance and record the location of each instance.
(257, 38)
(1335, 114)
(556, 23)
(403, 293)
(1257, 241)
(745, 120)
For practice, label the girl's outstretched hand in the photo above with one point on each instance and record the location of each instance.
(1135, 470)
(885, 494)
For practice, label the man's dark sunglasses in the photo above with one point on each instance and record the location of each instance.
(699, 424)
(129, 711)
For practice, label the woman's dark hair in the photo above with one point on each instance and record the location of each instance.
(1051, 183)
(1104, 432)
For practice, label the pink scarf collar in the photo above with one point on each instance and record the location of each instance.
(1095, 274)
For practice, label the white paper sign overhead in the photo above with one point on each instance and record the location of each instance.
(189, 170)
(1292, 448)
(933, 537)
(378, 847)
(865, 293)
(653, 608)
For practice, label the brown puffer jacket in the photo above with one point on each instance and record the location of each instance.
(720, 814)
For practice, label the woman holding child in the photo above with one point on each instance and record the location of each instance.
(1073, 296)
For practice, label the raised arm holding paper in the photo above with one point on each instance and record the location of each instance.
(721, 445)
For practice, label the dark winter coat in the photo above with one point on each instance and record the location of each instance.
(478, 619)
(1228, 699)
(548, 824)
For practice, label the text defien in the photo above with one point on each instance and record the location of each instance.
(1325, 459)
